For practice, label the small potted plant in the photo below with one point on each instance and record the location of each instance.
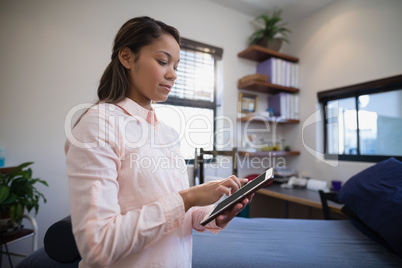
(272, 31)
(17, 193)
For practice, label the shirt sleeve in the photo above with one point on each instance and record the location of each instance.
(198, 214)
(103, 234)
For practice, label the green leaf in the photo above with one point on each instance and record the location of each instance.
(19, 212)
(12, 212)
(273, 27)
(18, 191)
(10, 199)
(4, 191)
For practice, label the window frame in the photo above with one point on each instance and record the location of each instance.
(354, 91)
(216, 53)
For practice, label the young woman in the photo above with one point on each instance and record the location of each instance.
(131, 205)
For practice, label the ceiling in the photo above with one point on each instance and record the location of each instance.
(291, 9)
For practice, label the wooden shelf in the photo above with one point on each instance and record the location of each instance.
(269, 153)
(262, 119)
(265, 87)
(259, 53)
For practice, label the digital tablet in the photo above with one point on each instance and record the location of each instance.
(249, 188)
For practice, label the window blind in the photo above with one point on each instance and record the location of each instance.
(194, 96)
(196, 74)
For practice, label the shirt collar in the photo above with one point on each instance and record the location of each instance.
(135, 110)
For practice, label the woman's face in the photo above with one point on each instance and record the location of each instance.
(153, 71)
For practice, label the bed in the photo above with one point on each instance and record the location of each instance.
(265, 242)
(372, 237)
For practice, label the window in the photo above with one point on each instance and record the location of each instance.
(191, 106)
(363, 122)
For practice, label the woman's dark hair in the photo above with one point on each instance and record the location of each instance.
(134, 34)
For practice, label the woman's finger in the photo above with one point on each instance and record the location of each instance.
(224, 190)
(233, 182)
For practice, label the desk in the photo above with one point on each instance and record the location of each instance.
(276, 202)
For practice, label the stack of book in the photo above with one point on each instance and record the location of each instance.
(280, 72)
(284, 105)
(254, 77)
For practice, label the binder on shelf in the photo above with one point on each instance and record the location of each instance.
(284, 105)
(268, 68)
(280, 72)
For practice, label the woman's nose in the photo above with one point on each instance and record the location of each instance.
(171, 74)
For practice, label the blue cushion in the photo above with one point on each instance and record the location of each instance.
(375, 196)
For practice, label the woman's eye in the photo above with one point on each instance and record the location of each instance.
(161, 62)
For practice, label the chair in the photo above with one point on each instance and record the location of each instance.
(325, 197)
(59, 242)
(59, 250)
(18, 235)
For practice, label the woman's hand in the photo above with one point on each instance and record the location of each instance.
(210, 192)
(226, 217)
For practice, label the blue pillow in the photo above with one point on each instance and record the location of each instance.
(375, 196)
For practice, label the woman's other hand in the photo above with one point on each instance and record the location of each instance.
(228, 215)
(210, 192)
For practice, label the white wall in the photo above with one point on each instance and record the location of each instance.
(54, 52)
(52, 56)
(346, 43)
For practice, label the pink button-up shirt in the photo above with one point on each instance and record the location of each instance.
(125, 170)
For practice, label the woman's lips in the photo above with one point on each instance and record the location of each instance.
(167, 87)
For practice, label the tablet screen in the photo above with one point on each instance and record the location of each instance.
(240, 194)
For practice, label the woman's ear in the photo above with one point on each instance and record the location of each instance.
(126, 57)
